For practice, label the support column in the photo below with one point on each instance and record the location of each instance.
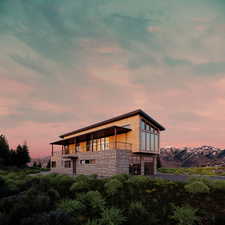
(115, 137)
(155, 165)
(75, 145)
(92, 142)
(52, 150)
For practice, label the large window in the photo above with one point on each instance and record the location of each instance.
(67, 164)
(99, 144)
(149, 137)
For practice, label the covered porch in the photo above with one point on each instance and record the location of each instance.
(94, 141)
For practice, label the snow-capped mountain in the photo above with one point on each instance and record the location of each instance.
(192, 156)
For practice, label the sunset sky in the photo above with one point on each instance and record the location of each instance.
(67, 63)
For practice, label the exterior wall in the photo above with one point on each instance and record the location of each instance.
(108, 162)
(60, 165)
(130, 137)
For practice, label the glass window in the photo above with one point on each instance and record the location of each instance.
(53, 164)
(77, 147)
(147, 141)
(147, 127)
(152, 143)
(67, 164)
(142, 140)
(142, 125)
(106, 143)
(156, 142)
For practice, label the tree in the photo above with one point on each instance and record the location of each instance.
(4, 151)
(22, 155)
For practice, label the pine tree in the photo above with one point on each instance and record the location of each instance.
(4, 151)
(22, 155)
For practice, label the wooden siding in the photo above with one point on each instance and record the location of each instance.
(130, 137)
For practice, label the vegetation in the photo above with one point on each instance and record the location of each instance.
(210, 171)
(9, 157)
(120, 200)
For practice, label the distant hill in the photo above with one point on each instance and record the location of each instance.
(192, 156)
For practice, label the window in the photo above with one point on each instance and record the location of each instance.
(53, 164)
(152, 143)
(88, 161)
(77, 147)
(147, 141)
(149, 137)
(142, 125)
(156, 142)
(67, 164)
(142, 140)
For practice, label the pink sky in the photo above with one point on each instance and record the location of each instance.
(60, 72)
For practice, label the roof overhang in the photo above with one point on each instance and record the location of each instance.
(105, 132)
(123, 116)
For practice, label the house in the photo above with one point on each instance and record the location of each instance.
(129, 143)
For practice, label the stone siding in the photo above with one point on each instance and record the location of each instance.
(108, 162)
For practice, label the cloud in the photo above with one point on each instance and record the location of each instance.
(66, 64)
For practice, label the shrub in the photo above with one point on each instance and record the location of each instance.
(197, 187)
(185, 215)
(112, 216)
(112, 186)
(71, 206)
(83, 183)
(138, 214)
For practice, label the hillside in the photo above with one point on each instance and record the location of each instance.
(192, 156)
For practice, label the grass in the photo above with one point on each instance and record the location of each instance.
(210, 171)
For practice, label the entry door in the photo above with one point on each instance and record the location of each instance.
(74, 166)
(148, 168)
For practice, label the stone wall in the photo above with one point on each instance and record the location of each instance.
(108, 162)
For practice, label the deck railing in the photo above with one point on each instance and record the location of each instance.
(99, 147)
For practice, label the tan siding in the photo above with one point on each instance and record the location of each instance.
(131, 137)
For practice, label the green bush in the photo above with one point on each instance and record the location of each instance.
(185, 215)
(197, 187)
(113, 186)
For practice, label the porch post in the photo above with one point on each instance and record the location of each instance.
(115, 137)
(52, 149)
(75, 145)
(92, 142)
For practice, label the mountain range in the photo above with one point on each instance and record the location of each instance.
(192, 156)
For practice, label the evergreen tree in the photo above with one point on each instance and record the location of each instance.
(12, 158)
(22, 155)
(4, 151)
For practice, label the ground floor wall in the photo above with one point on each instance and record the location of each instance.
(105, 163)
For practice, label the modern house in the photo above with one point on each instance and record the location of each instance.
(129, 143)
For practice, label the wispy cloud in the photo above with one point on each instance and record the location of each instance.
(65, 64)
